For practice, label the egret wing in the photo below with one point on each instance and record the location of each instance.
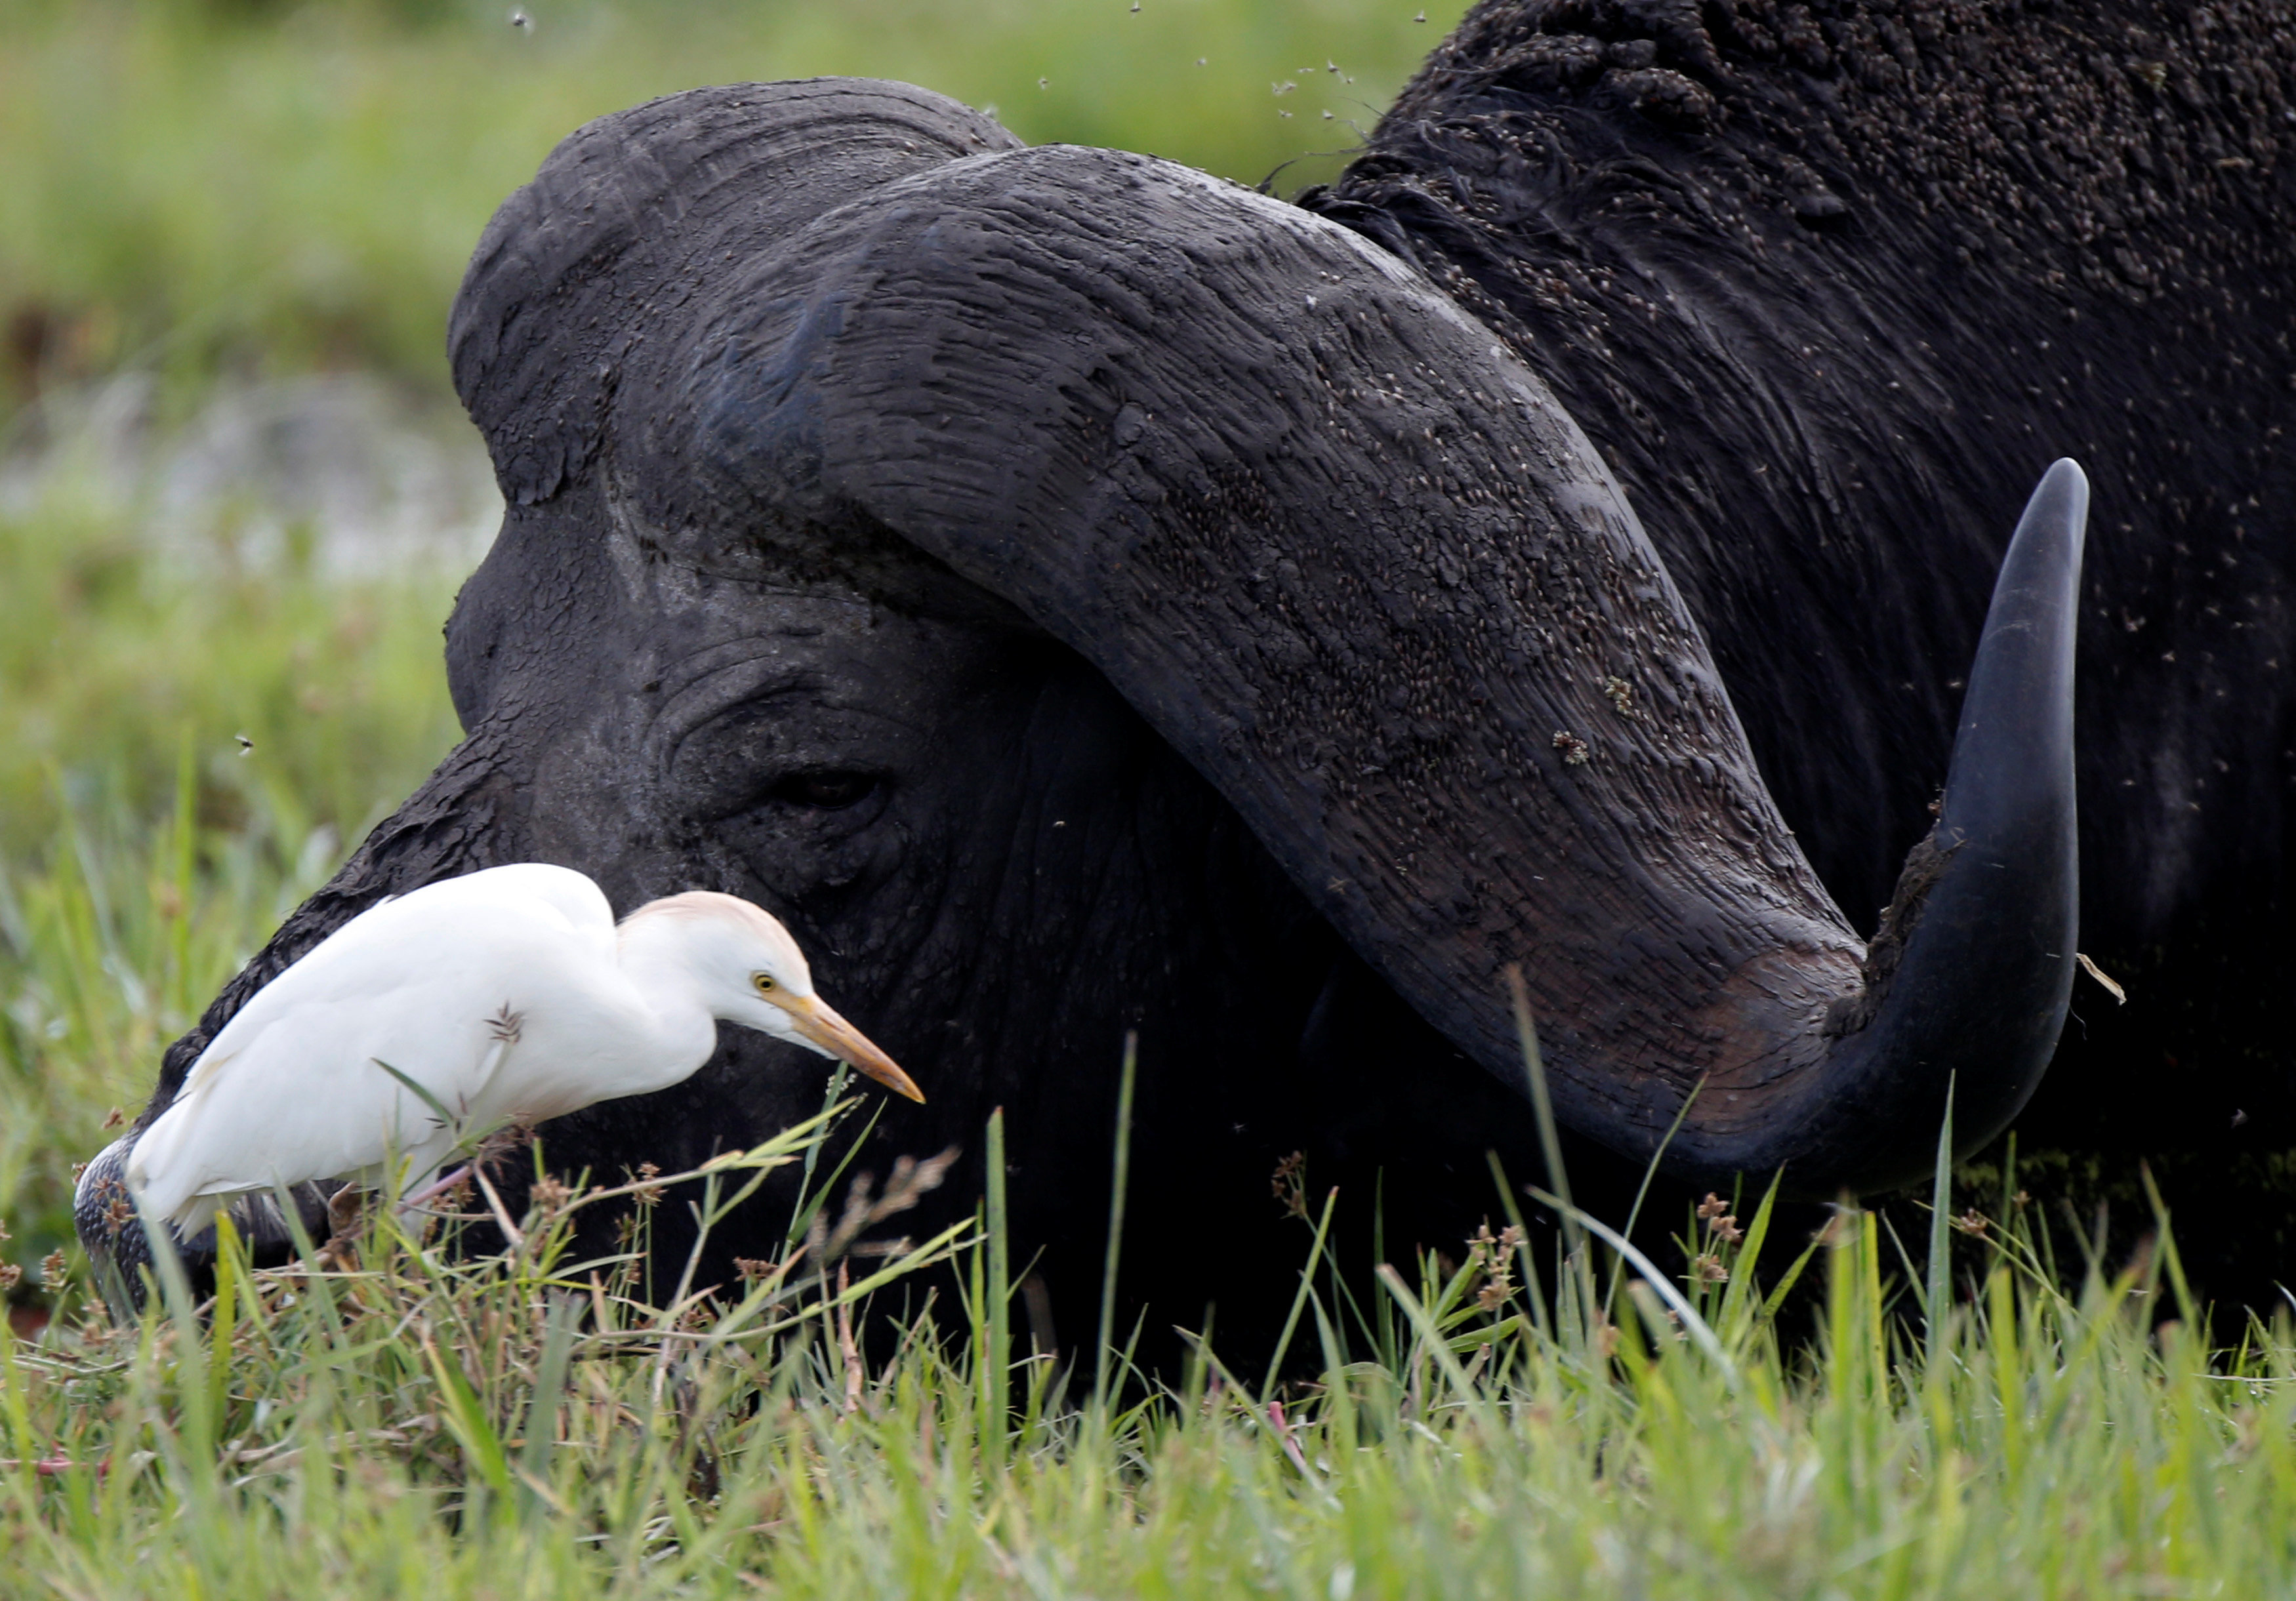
(571, 895)
(534, 888)
(293, 1087)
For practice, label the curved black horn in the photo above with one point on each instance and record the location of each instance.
(1351, 558)
(1970, 973)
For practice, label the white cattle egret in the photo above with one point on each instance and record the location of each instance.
(509, 996)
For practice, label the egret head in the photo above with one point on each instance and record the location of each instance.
(750, 971)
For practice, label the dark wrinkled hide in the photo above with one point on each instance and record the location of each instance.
(1827, 291)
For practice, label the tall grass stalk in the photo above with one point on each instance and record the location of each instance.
(1120, 1186)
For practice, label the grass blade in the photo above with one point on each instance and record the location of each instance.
(1119, 1184)
(1940, 1302)
(1550, 1140)
(1299, 1299)
(997, 1358)
(542, 1411)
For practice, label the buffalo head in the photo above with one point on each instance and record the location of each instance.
(1078, 594)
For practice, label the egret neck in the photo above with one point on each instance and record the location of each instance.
(663, 955)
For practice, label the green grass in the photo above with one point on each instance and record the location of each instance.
(413, 1423)
(184, 190)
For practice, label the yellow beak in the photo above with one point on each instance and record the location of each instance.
(818, 1022)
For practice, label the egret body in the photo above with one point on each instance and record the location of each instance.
(509, 995)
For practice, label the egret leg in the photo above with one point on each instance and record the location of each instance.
(436, 1187)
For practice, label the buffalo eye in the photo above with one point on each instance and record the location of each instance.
(826, 791)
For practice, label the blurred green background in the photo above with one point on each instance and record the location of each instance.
(235, 493)
(261, 185)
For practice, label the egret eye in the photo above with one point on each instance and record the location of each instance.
(764, 981)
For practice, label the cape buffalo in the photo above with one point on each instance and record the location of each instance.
(1079, 595)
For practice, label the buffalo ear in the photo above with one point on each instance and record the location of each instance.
(571, 275)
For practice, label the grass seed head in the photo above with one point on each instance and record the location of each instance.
(1492, 1255)
(648, 1193)
(1289, 1185)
